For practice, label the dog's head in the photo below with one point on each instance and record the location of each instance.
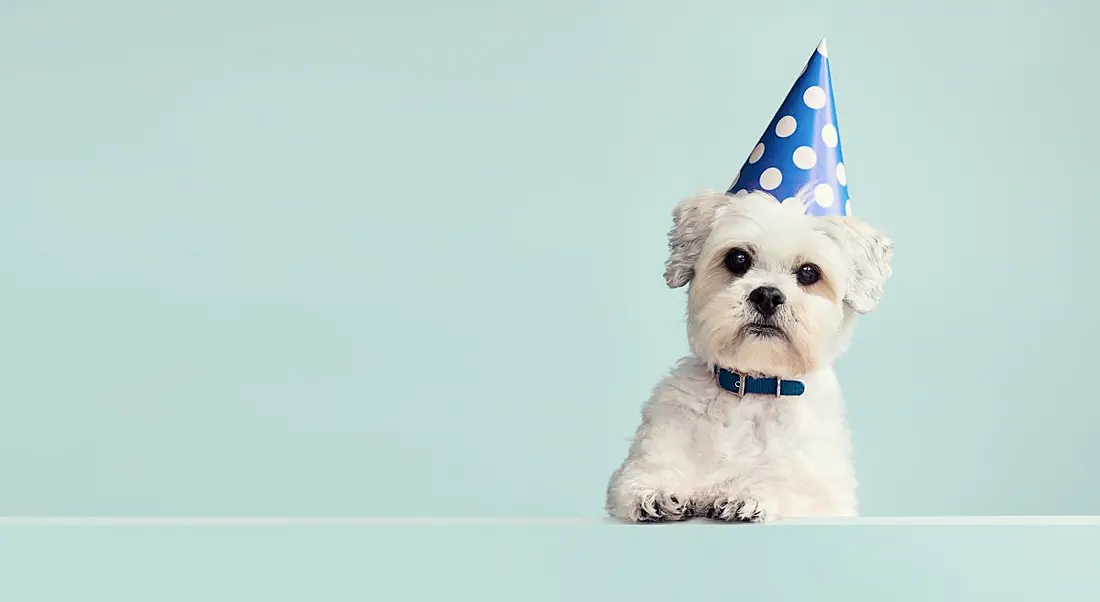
(772, 291)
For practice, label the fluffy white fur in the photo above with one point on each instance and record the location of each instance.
(703, 451)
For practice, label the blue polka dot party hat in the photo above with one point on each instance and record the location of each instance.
(798, 160)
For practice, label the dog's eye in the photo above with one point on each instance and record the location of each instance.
(738, 261)
(808, 274)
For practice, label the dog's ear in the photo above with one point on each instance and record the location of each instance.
(870, 253)
(691, 222)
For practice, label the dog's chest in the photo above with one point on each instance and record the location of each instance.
(765, 430)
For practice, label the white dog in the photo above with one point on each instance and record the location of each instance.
(771, 302)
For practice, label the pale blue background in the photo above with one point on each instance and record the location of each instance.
(404, 258)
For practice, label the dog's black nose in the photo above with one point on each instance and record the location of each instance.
(767, 299)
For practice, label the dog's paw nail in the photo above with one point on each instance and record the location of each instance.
(736, 511)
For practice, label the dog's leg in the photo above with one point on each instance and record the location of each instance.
(732, 501)
(641, 504)
(657, 481)
(765, 500)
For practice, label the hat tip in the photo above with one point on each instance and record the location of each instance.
(823, 48)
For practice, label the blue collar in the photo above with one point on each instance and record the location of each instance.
(742, 385)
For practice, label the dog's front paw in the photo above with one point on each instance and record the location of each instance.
(740, 510)
(653, 507)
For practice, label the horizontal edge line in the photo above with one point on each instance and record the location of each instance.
(380, 521)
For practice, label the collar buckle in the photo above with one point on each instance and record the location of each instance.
(742, 384)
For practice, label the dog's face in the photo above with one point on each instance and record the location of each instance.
(772, 291)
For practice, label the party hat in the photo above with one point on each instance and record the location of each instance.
(798, 160)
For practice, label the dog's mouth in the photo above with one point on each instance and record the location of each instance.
(764, 330)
